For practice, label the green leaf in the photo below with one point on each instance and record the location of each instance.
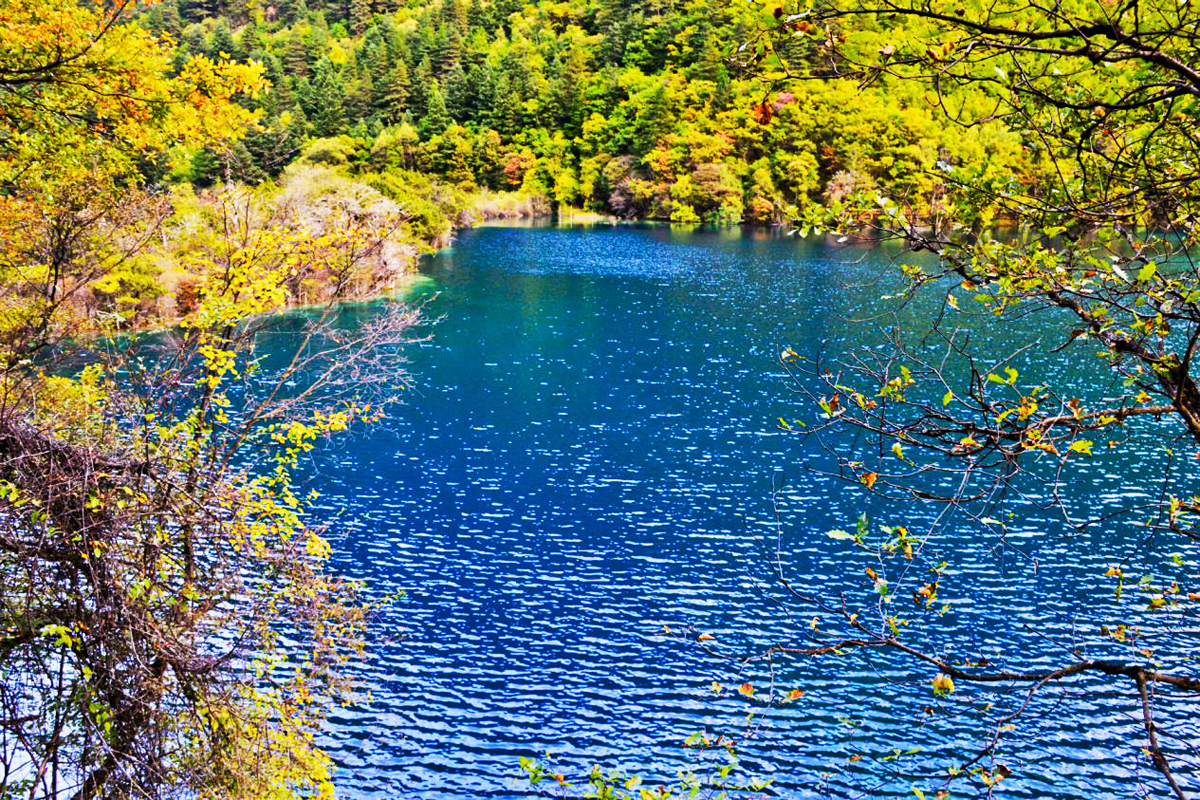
(840, 535)
(1147, 272)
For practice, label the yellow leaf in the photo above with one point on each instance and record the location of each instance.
(746, 690)
(943, 685)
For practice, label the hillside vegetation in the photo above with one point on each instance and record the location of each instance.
(626, 108)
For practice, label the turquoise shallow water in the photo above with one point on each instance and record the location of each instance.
(589, 454)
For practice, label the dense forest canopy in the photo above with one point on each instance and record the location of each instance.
(630, 108)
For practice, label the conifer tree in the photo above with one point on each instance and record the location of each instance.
(419, 87)
(198, 10)
(392, 95)
(482, 84)
(360, 99)
(194, 43)
(360, 16)
(448, 50)
(459, 96)
(480, 16)
(295, 55)
(250, 43)
(506, 112)
(291, 11)
(280, 97)
(327, 100)
(436, 118)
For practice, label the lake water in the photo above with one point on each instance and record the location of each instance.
(588, 455)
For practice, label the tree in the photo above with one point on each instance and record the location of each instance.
(327, 99)
(198, 10)
(460, 96)
(419, 86)
(295, 55)
(360, 16)
(436, 118)
(153, 549)
(223, 44)
(392, 95)
(291, 11)
(1105, 98)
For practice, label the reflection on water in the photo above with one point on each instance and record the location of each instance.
(588, 455)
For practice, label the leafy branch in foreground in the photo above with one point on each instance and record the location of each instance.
(168, 623)
(1095, 238)
(617, 785)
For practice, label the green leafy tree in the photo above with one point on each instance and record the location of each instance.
(169, 625)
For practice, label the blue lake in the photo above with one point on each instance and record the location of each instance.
(589, 453)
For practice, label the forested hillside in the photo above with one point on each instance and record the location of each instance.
(628, 107)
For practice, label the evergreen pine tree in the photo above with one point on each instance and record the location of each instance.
(506, 111)
(193, 42)
(377, 62)
(723, 92)
(393, 42)
(436, 119)
(709, 59)
(652, 119)
(611, 17)
(298, 126)
(250, 43)
(460, 98)
(295, 55)
(418, 91)
(327, 106)
(360, 16)
(480, 16)
(454, 14)
(292, 11)
(448, 49)
(198, 10)
(393, 95)
(482, 84)
(205, 169)
(153, 21)
(280, 97)
(236, 11)
(172, 23)
(360, 98)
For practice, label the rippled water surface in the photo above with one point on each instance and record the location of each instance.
(588, 455)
